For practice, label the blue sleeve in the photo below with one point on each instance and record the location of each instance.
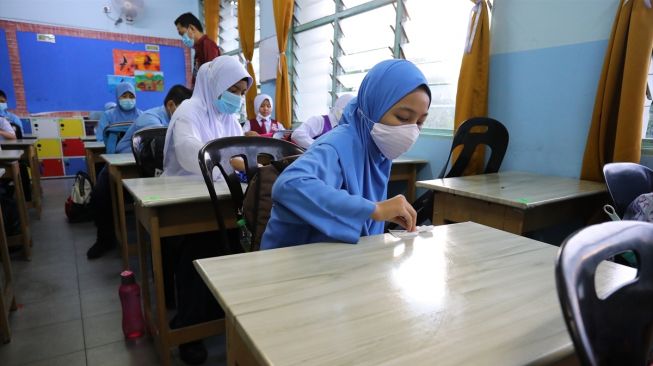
(311, 188)
(14, 118)
(143, 121)
(104, 122)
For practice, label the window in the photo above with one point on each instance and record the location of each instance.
(647, 130)
(357, 34)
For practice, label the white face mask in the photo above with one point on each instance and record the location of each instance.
(394, 140)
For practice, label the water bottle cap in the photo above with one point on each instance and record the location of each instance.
(127, 277)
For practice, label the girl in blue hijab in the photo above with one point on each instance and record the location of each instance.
(336, 191)
(124, 111)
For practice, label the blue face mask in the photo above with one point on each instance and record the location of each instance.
(127, 104)
(228, 103)
(187, 41)
(3, 107)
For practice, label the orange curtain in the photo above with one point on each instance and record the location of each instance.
(211, 17)
(246, 25)
(471, 97)
(615, 132)
(283, 12)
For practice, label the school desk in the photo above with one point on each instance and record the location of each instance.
(165, 207)
(462, 294)
(31, 157)
(121, 166)
(405, 169)
(93, 151)
(516, 202)
(7, 297)
(9, 161)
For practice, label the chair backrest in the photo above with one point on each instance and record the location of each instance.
(112, 134)
(218, 153)
(626, 181)
(18, 130)
(147, 146)
(618, 329)
(472, 133)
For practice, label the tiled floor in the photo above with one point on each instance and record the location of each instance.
(69, 311)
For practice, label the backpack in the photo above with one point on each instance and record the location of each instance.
(78, 208)
(257, 202)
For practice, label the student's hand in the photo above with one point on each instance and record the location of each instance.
(251, 133)
(397, 210)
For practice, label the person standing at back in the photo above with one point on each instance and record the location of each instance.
(192, 34)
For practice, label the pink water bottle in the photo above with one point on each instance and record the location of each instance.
(130, 298)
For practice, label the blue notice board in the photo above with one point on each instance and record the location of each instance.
(71, 73)
(6, 81)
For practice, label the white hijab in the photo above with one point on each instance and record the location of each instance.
(197, 121)
(339, 107)
(259, 100)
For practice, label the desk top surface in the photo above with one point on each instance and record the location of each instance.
(10, 155)
(517, 189)
(119, 159)
(18, 142)
(409, 160)
(461, 294)
(93, 145)
(162, 191)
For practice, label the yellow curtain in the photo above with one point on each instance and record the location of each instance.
(471, 97)
(211, 17)
(283, 11)
(615, 132)
(246, 25)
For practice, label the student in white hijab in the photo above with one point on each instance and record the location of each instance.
(263, 124)
(211, 113)
(317, 126)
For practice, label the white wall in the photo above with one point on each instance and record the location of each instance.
(156, 21)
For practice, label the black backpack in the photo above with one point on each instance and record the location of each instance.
(78, 204)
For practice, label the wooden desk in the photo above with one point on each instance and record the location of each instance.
(32, 158)
(93, 151)
(9, 160)
(405, 169)
(121, 166)
(464, 294)
(7, 298)
(171, 206)
(516, 202)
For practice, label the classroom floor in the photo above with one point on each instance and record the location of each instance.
(69, 311)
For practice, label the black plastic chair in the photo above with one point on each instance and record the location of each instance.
(494, 135)
(218, 153)
(617, 330)
(147, 146)
(626, 181)
(18, 130)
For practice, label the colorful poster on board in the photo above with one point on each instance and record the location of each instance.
(113, 80)
(126, 62)
(148, 80)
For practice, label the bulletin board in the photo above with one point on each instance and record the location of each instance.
(71, 73)
(6, 82)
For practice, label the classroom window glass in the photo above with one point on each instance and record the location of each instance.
(312, 72)
(361, 33)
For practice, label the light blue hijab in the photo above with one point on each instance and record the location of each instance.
(117, 114)
(329, 193)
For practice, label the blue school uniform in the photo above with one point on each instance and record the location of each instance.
(11, 117)
(330, 192)
(117, 114)
(153, 117)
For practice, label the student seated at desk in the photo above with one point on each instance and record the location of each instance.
(211, 113)
(4, 110)
(6, 131)
(155, 117)
(101, 194)
(125, 111)
(336, 191)
(263, 124)
(316, 126)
